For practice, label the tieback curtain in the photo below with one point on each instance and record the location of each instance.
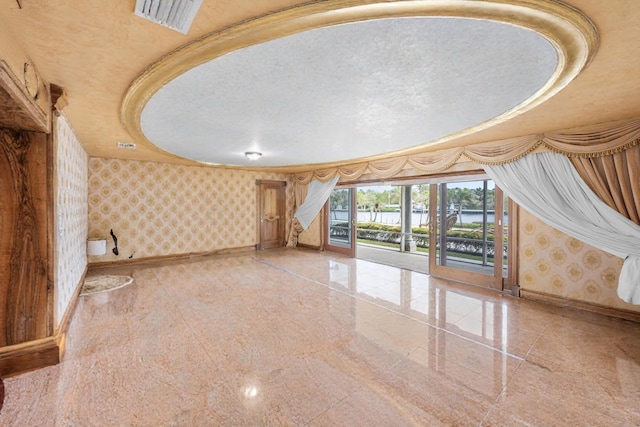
(317, 194)
(586, 142)
(614, 178)
(600, 165)
(548, 186)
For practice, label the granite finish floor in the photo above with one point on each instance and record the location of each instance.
(294, 337)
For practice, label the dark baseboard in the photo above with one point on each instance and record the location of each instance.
(176, 257)
(61, 329)
(580, 305)
(312, 247)
(28, 356)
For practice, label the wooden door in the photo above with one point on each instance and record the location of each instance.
(271, 214)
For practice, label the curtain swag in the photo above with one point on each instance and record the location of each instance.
(586, 184)
(308, 200)
(586, 142)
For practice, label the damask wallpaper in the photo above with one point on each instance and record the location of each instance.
(158, 209)
(71, 216)
(559, 265)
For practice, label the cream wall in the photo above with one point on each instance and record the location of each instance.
(11, 52)
(70, 184)
(160, 209)
(16, 57)
(556, 264)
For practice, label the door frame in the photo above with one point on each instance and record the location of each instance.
(349, 251)
(494, 281)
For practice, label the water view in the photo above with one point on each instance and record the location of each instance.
(393, 218)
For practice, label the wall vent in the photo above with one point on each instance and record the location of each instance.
(175, 14)
(127, 145)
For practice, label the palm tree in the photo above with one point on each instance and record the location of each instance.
(462, 197)
(420, 194)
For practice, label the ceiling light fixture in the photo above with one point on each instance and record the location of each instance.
(253, 155)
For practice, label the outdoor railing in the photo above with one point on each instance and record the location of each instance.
(467, 246)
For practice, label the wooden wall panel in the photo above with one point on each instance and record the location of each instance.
(29, 356)
(24, 290)
(18, 108)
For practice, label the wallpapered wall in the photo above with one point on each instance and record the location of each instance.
(158, 209)
(71, 216)
(556, 264)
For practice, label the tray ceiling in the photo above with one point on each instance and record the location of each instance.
(116, 67)
(349, 91)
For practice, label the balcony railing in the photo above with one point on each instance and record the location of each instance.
(476, 250)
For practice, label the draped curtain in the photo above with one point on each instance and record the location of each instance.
(312, 196)
(299, 194)
(600, 165)
(548, 186)
(587, 142)
(614, 178)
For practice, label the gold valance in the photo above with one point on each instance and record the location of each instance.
(592, 141)
(595, 141)
(504, 151)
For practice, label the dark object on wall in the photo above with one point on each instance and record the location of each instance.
(115, 242)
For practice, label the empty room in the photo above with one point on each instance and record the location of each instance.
(319, 213)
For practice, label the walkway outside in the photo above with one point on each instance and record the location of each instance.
(414, 261)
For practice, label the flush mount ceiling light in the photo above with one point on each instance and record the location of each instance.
(253, 155)
(175, 14)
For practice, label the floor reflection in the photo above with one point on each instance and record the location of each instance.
(293, 337)
(425, 299)
(417, 314)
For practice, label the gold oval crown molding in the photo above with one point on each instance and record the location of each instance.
(571, 33)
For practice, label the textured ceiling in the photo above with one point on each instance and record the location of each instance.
(348, 91)
(96, 50)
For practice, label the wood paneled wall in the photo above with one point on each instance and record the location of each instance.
(27, 338)
(25, 291)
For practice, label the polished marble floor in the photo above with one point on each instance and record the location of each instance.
(414, 261)
(294, 337)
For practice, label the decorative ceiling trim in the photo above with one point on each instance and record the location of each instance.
(603, 139)
(19, 108)
(571, 33)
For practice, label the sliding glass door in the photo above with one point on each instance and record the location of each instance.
(340, 221)
(467, 228)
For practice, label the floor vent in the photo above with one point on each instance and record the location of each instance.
(175, 14)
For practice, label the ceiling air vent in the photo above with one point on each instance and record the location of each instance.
(127, 145)
(175, 14)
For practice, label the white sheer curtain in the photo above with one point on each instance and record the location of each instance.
(548, 186)
(317, 195)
